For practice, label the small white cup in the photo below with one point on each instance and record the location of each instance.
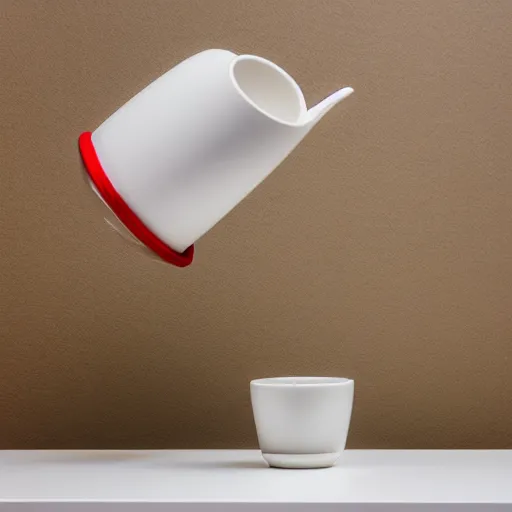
(302, 422)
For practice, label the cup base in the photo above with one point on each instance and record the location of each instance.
(301, 461)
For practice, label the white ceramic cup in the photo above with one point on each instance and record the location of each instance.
(302, 422)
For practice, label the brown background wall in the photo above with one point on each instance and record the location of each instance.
(380, 250)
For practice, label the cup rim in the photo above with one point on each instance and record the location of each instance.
(278, 70)
(299, 381)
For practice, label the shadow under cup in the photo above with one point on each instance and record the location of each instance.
(302, 422)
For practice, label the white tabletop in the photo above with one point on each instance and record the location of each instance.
(211, 480)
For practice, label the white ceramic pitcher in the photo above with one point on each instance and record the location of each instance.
(190, 146)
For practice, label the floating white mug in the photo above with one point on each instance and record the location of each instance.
(187, 149)
(302, 422)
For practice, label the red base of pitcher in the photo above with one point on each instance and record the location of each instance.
(123, 212)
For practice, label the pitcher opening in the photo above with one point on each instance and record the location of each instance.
(268, 88)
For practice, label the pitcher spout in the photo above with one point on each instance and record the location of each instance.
(316, 113)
